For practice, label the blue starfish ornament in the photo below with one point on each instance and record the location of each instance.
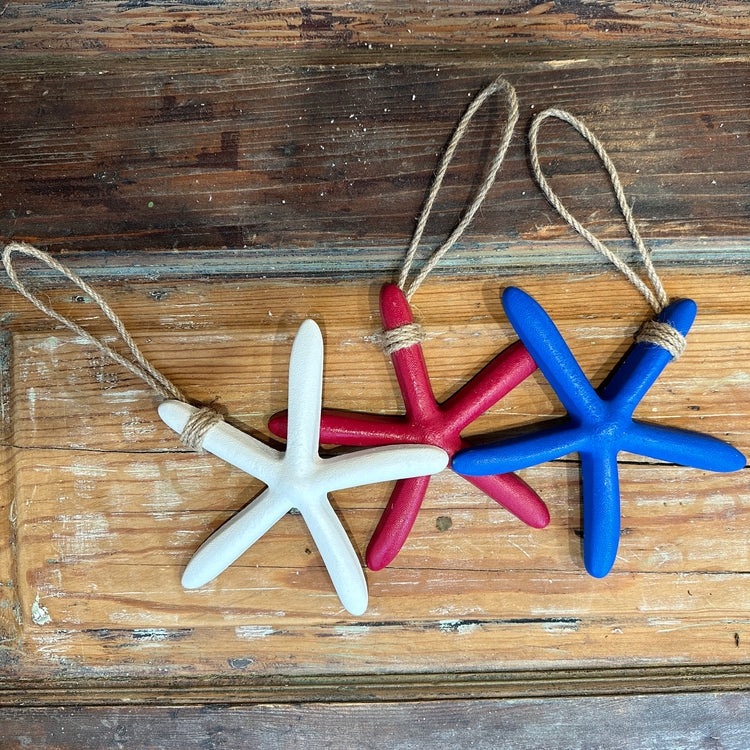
(599, 425)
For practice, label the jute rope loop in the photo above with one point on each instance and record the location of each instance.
(655, 332)
(138, 365)
(198, 425)
(413, 333)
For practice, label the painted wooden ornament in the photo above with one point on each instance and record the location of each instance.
(599, 425)
(427, 421)
(298, 478)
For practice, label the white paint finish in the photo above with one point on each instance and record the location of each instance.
(134, 429)
(121, 396)
(144, 471)
(352, 633)
(559, 628)
(81, 534)
(667, 555)
(49, 344)
(151, 636)
(39, 613)
(298, 478)
(459, 610)
(253, 632)
(87, 467)
(138, 618)
(163, 496)
(31, 402)
(518, 547)
(458, 627)
(54, 644)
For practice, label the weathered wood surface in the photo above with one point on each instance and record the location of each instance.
(275, 164)
(107, 25)
(707, 722)
(106, 507)
(223, 171)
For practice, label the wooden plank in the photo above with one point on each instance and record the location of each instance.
(108, 506)
(617, 723)
(276, 164)
(196, 161)
(103, 25)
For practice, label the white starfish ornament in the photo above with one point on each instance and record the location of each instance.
(298, 478)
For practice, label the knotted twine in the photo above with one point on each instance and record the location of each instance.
(653, 331)
(412, 333)
(197, 425)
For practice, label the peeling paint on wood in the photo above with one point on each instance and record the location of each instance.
(39, 613)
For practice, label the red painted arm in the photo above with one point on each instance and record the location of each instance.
(396, 522)
(487, 387)
(514, 495)
(353, 428)
(408, 363)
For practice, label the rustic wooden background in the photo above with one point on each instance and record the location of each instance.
(222, 171)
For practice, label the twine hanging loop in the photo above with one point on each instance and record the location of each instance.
(498, 85)
(654, 331)
(413, 333)
(138, 364)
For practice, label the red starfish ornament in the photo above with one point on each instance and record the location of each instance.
(427, 421)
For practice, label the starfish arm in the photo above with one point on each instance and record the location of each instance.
(512, 454)
(645, 362)
(414, 382)
(396, 522)
(380, 464)
(601, 511)
(515, 496)
(353, 428)
(545, 344)
(229, 541)
(338, 555)
(305, 392)
(682, 447)
(485, 389)
(228, 443)
(408, 363)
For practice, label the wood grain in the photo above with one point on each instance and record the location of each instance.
(104, 25)
(224, 170)
(272, 165)
(108, 506)
(645, 722)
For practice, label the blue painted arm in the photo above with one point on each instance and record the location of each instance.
(545, 344)
(682, 447)
(601, 511)
(512, 454)
(645, 362)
